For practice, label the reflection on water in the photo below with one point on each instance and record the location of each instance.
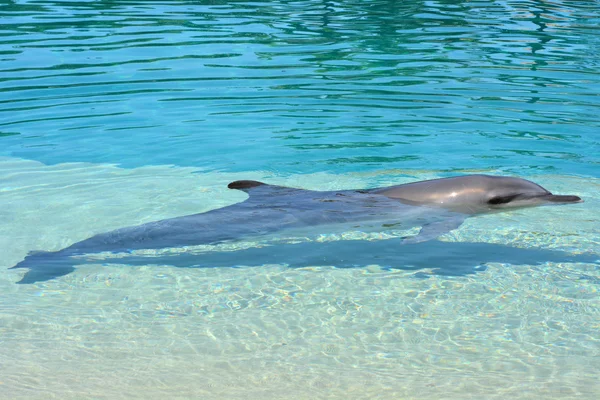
(507, 84)
(366, 93)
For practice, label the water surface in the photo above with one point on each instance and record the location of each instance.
(119, 113)
(303, 86)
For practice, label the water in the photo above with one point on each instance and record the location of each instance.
(119, 113)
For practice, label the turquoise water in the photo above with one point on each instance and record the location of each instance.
(118, 113)
(303, 86)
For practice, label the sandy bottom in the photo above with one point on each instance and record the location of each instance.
(279, 330)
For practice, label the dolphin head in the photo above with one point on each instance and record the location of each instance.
(475, 194)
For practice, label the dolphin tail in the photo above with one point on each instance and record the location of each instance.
(44, 265)
(32, 258)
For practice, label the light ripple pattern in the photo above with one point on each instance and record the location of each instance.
(284, 85)
(506, 306)
(117, 113)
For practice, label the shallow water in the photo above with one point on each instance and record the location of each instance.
(514, 312)
(116, 114)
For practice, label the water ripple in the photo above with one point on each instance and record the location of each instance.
(278, 85)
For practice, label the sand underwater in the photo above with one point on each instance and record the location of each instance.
(285, 321)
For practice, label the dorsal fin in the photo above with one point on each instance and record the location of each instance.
(259, 189)
(244, 185)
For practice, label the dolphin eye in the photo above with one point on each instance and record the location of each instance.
(502, 199)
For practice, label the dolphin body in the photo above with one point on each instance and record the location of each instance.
(437, 206)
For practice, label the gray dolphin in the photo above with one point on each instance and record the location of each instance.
(437, 206)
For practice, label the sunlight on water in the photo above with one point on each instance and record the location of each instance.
(303, 86)
(267, 324)
(114, 114)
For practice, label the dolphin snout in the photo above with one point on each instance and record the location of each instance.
(563, 199)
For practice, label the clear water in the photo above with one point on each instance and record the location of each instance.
(118, 113)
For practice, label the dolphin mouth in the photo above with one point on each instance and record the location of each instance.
(562, 199)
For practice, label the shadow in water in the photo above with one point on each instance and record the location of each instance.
(443, 258)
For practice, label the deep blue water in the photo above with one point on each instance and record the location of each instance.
(303, 86)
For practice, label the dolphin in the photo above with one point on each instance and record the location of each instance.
(436, 206)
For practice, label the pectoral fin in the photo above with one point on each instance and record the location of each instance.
(435, 229)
